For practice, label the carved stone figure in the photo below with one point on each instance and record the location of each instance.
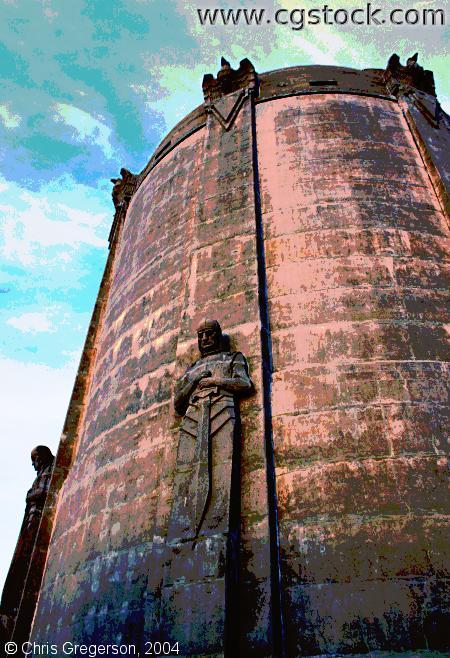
(42, 460)
(411, 75)
(206, 395)
(124, 188)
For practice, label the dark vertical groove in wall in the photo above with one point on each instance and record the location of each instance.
(266, 352)
(232, 608)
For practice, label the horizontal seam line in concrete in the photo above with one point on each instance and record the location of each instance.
(355, 254)
(355, 517)
(116, 312)
(323, 92)
(129, 281)
(375, 321)
(160, 284)
(358, 230)
(233, 235)
(348, 459)
(350, 364)
(128, 418)
(148, 169)
(122, 336)
(78, 485)
(307, 128)
(220, 195)
(362, 226)
(388, 181)
(357, 407)
(163, 366)
(96, 445)
(304, 584)
(361, 405)
(304, 164)
(366, 287)
(428, 457)
(392, 285)
(169, 334)
(369, 201)
(106, 557)
(336, 363)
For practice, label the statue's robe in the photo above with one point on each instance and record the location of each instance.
(17, 574)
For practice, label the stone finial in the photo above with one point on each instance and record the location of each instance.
(229, 80)
(124, 188)
(400, 78)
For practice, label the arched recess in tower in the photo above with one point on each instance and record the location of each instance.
(305, 210)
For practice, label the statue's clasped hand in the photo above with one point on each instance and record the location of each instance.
(205, 380)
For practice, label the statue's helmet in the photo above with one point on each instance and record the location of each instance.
(41, 456)
(209, 334)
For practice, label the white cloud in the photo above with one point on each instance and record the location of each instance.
(63, 215)
(88, 128)
(9, 119)
(176, 85)
(32, 323)
(73, 356)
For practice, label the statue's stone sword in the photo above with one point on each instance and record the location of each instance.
(205, 462)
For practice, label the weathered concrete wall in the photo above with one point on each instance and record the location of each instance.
(316, 211)
(355, 242)
(110, 505)
(222, 284)
(187, 251)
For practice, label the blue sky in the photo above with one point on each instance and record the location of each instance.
(90, 86)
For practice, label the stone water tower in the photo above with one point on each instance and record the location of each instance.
(305, 210)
